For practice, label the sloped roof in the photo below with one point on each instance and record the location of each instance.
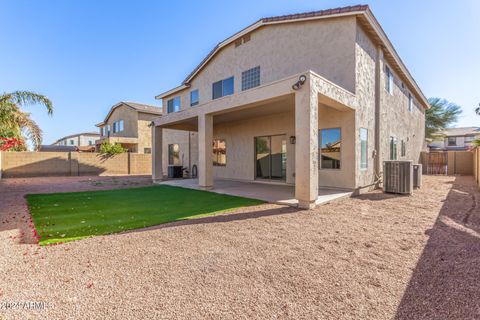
(140, 107)
(357, 10)
(78, 134)
(462, 131)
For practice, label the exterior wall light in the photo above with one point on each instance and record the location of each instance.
(293, 139)
(301, 80)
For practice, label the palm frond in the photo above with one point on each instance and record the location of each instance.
(29, 98)
(31, 128)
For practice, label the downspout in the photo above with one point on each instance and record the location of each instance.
(189, 153)
(378, 70)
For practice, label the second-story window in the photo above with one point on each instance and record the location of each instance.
(118, 126)
(194, 98)
(222, 88)
(251, 78)
(173, 105)
(410, 102)
(389, 80)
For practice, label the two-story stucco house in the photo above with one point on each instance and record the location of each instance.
(317, 99)
(455, 139)
(84, 139)
(127, 123)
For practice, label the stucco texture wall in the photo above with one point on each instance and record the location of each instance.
(325, 47)
(188, 145)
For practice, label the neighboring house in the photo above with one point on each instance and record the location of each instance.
(454, 139)
(127, 123)
(318, 99)
(84, 139)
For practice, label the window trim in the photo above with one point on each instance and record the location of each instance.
(452, 145)
(192, 104)
(172, 163)
(172, 100)
(320, 149)
(403, 148)
(216, 163)
(389, 83)
(223, 88)
(393, 139)
(366, 149)
(244, 75)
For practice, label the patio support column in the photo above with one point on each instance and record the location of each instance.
(306, 146)
(157, 153)
(205, 140)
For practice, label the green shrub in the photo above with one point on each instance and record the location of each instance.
(111, 149)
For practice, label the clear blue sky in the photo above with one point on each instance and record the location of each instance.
(88, 55)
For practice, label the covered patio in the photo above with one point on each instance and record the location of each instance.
(274, 193)
(270, 133)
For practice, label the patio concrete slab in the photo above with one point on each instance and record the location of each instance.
(270, 192)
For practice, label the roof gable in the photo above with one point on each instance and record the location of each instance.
(362, 11)
(138, 107)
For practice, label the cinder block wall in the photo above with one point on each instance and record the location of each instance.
(38, 164)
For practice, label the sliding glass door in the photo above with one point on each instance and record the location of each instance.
(271, 157)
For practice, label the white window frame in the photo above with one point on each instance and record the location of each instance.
(363, 166)
(389, 80)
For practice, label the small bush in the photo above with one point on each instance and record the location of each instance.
(111, 149)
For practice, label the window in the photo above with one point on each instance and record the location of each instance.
(389, 80)
(72, 142)
(452, 141)
(173, 154)
(115, 127)
(108, 130)
(147, 150)
(173, 105)
(222, 88)
(90, 142)
(102, 131)
(251, 78)
(219, 152)
(410, 102)
(363, 148)
(403, 149)
(330, 147)
(120, 125)
(393, 148)
(469, 138)
(194, 98)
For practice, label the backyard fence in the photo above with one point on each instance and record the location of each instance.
(40, 164)
(476, 165)
(447, 162)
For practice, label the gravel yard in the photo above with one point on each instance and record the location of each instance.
(375, 256)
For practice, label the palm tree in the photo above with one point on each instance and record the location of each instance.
(441, 114)
(477, 109)
(15, 123)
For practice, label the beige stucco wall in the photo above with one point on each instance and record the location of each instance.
(136, 125)
(188, 147)
(349, 102)
(239, 137)
(398, 121)
(325, 47)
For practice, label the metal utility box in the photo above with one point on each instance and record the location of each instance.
(398, 176)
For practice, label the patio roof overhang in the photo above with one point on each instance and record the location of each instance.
(274, 97)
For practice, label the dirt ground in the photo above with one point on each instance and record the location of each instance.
(375, 256)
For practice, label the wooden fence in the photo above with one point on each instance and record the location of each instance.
(448, 162)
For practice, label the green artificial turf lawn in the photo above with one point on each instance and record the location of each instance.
(62, 217)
